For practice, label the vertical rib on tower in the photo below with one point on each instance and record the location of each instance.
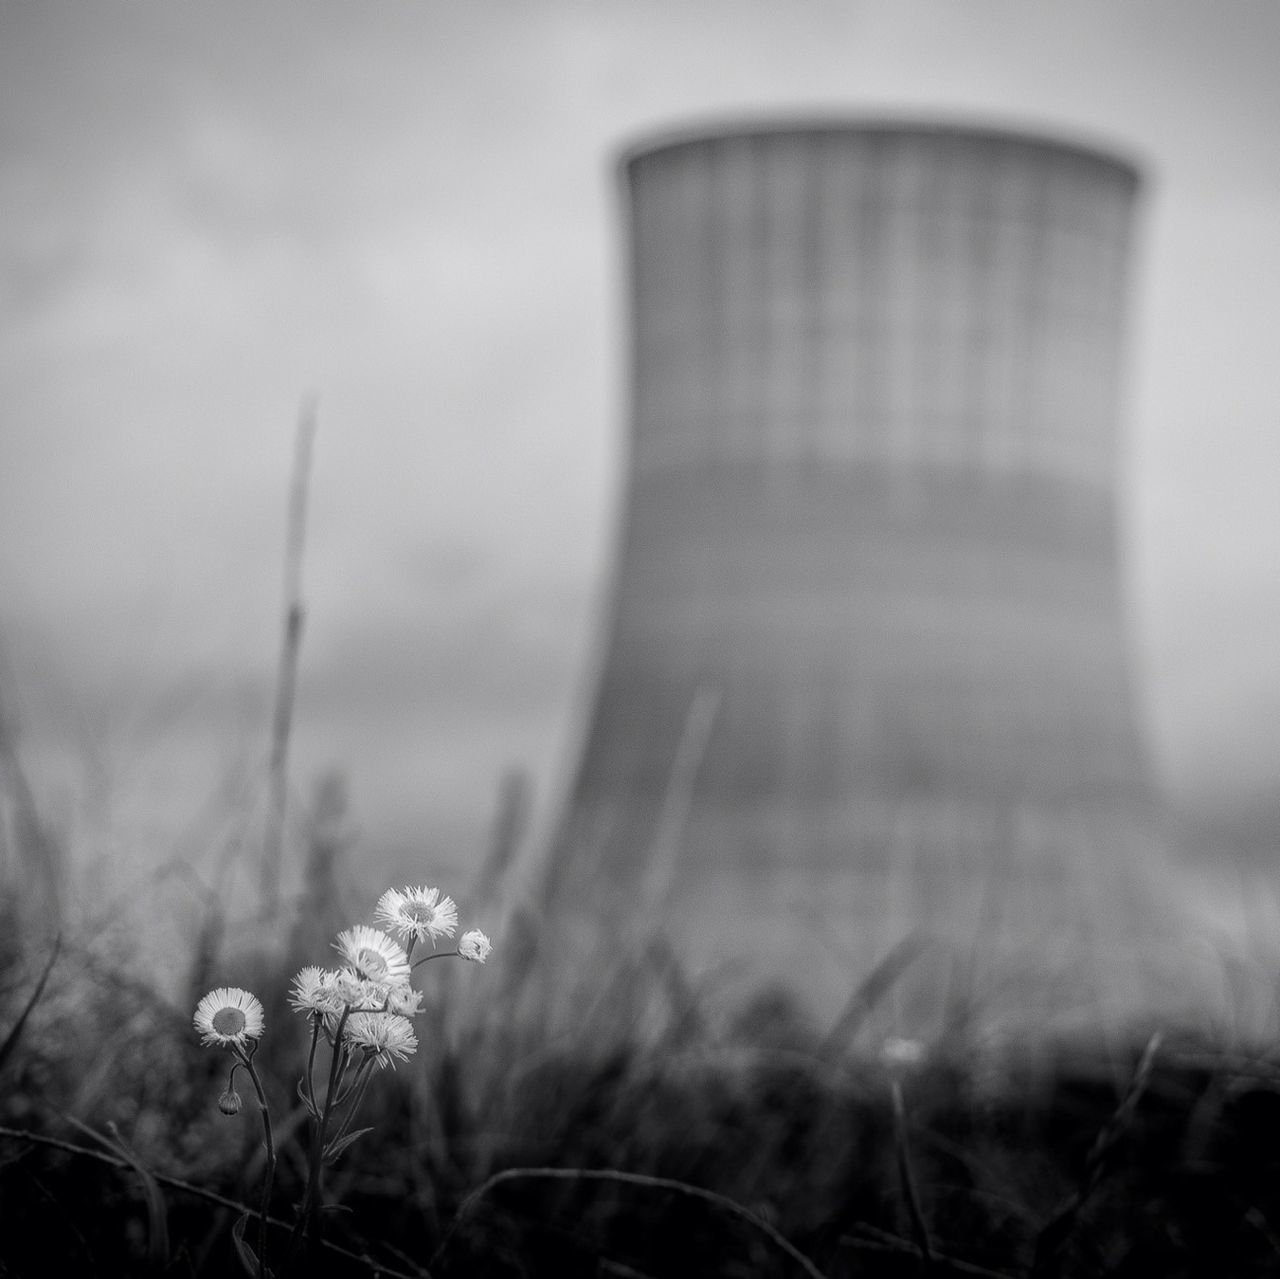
(866, 667)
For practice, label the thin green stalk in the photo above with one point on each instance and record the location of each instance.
(1053, 1239)
(627, 1179)
(11, 1039)
(337, 1093)
(311, 1060)
(306, 1213)
(906, 1174)
(359, 1087)
(269, 1176)
(287, 675)
(362, 1072)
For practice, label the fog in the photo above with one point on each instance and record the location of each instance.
(411, 212)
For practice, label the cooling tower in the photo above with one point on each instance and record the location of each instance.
(866, 674)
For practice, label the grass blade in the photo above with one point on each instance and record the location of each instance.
(11, 1039)
(630, 1179)
(248, 1258)
(157, 1214)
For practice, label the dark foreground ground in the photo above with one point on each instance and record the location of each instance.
(747, 1148)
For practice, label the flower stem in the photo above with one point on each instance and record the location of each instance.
(269, 1176)
(363, 1075)
(311, 1061)
(334, 1098)
(302, 1227)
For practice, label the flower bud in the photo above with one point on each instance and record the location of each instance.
(404, 1000)
(229, 1103)
(475, 946)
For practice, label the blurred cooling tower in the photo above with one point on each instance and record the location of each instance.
(866, 672)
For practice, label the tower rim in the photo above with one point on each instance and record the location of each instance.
(1062, 139)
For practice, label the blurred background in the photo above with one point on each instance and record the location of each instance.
(413, 214)
(397, 233)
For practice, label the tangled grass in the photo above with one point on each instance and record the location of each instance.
(512, 1146)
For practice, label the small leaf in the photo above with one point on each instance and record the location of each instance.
(248, 1258)
(335, 1148)
(307, 1103)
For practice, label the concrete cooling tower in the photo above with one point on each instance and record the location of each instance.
(866, 676)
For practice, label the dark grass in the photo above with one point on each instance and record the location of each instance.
(696, 1146)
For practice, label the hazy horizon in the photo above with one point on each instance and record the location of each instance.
(412, 213)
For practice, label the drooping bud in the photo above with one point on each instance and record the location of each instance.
(230, 1102)
(475, 946)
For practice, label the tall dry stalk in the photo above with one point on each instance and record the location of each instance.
(1054, 1238)
(321, 910)
(677, 800)
(36, 879)
(287, 676)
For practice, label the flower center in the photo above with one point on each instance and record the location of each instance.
(419, 912)
(229, 1021)
(371, 963)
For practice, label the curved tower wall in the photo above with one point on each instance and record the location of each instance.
(866, 667)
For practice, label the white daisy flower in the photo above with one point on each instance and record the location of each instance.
(474, 946)
(350, 989)
(374, 956)
(385, 1035)
(314, 991)
(417, 912)
(404, 1000)
(229, 1017)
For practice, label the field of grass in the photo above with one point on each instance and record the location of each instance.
(608, 1119)
(648, 1135)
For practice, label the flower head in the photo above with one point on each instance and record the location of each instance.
(404, 1000)
(373, 955)
(384, 1036)
(315, 991)
(474, 946)
(229, 1017)
(417, 912)
(354, 991)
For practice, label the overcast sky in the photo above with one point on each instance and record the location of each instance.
(208, 210)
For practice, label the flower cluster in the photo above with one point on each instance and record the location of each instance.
(364, 1008)
(369, 998)
(366, 1002)
(371, 988)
